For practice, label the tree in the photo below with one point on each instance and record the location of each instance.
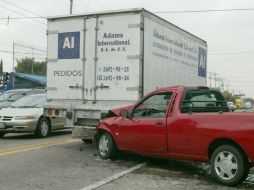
(228, 96)
(30, 66)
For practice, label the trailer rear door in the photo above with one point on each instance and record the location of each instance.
(65, 64)
(112, 51)
(95, 58)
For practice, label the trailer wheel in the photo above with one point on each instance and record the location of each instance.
(229, 165)
(106, 146)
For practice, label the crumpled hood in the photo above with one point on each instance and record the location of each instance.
(21, 111)
(118, 110)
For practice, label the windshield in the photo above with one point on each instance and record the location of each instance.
(10, 96)
(30, 102)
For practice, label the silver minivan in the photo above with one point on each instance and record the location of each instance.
(26, 115)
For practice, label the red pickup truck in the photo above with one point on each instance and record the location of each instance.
(186, 123)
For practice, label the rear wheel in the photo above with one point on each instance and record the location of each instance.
(229, 165)
(106, 146)
(43, 128)
(2, 134)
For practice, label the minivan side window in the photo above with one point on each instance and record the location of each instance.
(154, 106)
(205, 100)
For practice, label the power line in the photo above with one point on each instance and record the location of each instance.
(21, 18)
(4, 45)
(231, 53)
(22, 8)
(79, 2)
(22, 14)
(30, 47)
(20, 57)
(205, 11)
(100, 3)
(231, 59)
(28, 53)
(27, 31)
(25, 53)
(25, 26)
(159, 12)
(19, 23)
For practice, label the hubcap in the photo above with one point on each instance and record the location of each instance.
(44, 128)
(226, 165)
(103, 145)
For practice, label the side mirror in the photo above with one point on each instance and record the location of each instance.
(124, 113)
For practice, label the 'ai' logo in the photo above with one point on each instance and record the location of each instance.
(68, 42)
(202, 62)
(69, 45)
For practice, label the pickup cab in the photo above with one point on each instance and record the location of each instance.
(185, 123)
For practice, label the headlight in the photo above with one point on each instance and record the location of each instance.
(24, 117)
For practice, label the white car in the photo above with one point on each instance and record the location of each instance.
(247, 105)
(231, 106)
(26, 115)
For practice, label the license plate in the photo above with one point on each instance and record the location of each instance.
(2, 125)
(87, 114)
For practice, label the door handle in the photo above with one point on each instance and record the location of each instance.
(159, 122)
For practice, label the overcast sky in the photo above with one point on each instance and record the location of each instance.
(229, 35)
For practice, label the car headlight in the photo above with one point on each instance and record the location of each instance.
(24, 117)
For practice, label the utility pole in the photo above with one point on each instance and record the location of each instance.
(222, 85)
(13, 56)
(215, 80)
(210, 78)
(8, 21)
(71, 5)
(32, 60)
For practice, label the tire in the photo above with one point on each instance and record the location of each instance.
(2, 134)
(43, 128)
(229, 165)
(106, 146)
(87, 141)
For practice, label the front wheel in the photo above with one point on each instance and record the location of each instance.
(43, 128)
(229, 165)
(106, 146)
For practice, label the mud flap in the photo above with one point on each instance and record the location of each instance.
(81, 132)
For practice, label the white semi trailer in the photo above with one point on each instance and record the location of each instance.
(101, 61)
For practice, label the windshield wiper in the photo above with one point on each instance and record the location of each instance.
(22, 106)
(28, 106)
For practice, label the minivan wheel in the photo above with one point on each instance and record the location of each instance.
(43, 128)
(106, 146)
(2, 134)
(229, 165)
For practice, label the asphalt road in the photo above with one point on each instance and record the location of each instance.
(58, 162)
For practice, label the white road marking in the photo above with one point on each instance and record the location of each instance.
(113, 177)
